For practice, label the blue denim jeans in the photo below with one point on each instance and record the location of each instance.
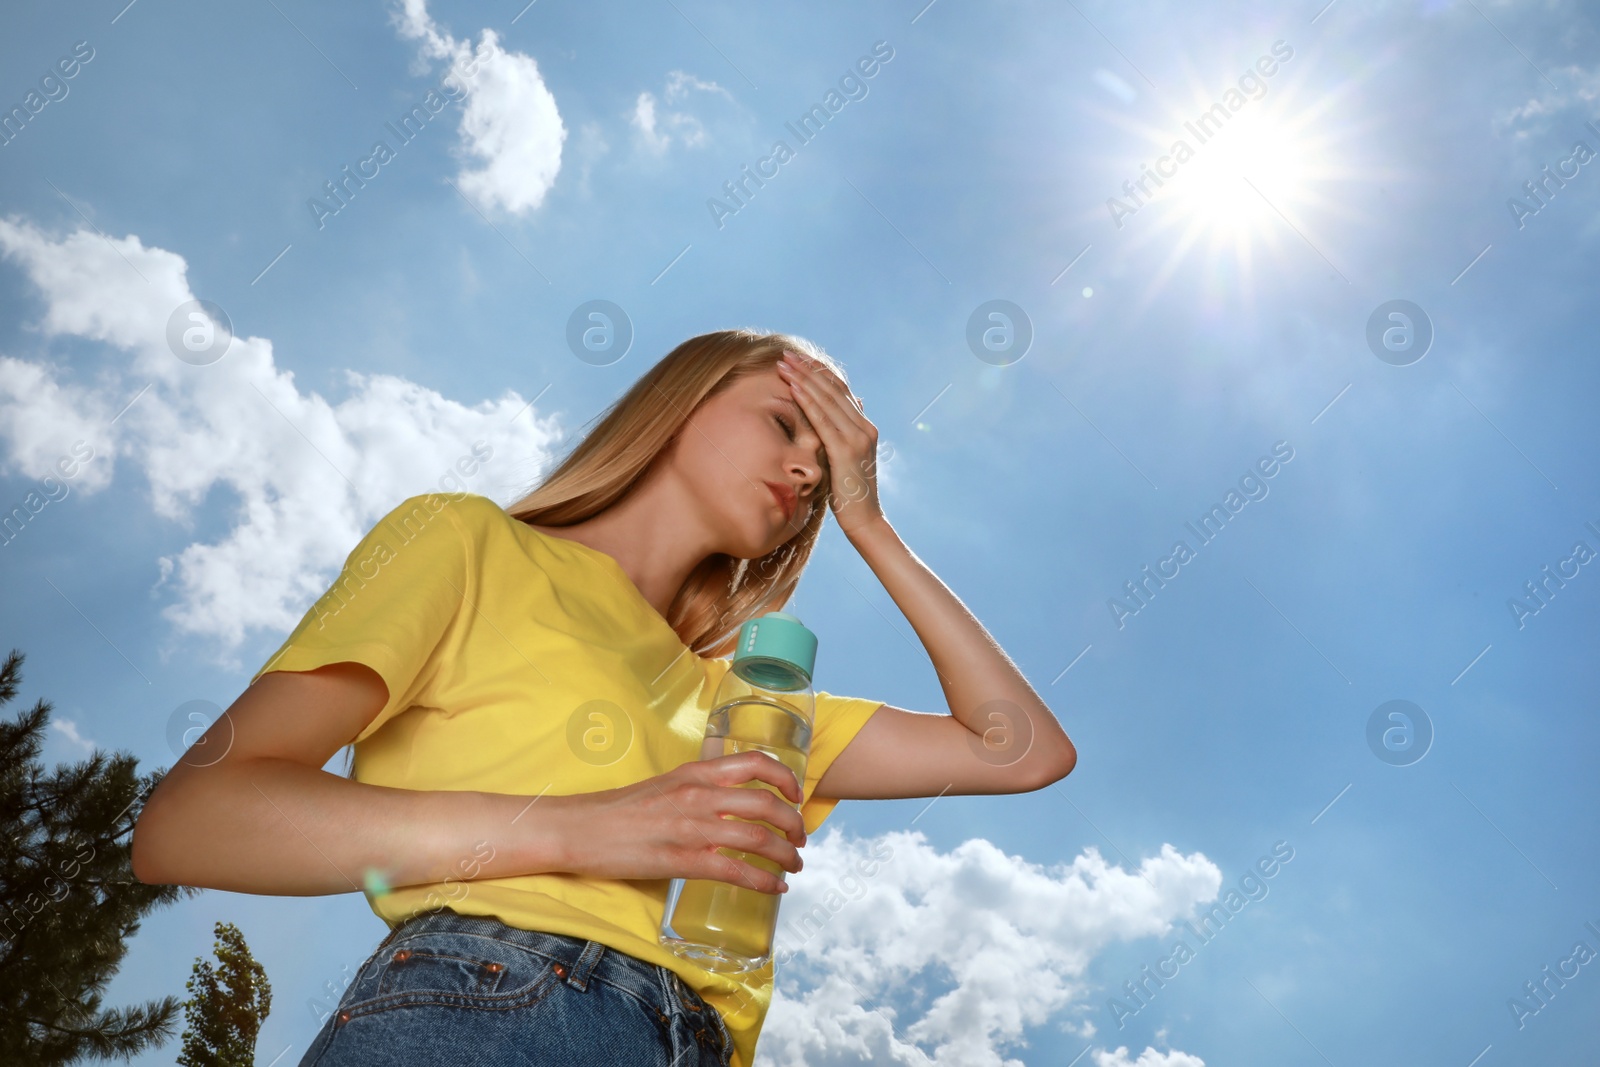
(444, 990)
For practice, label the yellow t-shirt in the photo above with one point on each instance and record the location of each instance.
(520, 662)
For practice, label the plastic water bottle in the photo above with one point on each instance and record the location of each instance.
(765, 703)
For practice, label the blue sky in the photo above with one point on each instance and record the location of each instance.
(1176, 338)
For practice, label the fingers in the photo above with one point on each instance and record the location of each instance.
(834, 402)
(755, 842)
(728, 867)
(749, 850)
(739, 773)
(741, 767)
(744, 805)
(760, 805)
(743, 800)
(848, 436)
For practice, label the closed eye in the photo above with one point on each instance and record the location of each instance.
(788, 427)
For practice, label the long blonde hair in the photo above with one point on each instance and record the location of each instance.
(722, 591)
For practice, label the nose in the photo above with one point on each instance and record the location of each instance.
(804, 476)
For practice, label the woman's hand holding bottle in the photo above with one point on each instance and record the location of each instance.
(672, 825)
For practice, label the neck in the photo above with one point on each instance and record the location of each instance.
(649, 535)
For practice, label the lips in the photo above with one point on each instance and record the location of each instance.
(786, 497)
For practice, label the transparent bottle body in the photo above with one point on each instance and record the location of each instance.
(723, 926)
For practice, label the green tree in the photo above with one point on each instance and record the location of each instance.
(68, 898)
(226, 1005)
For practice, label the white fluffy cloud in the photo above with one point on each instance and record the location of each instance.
(40, 419)
(658, 126)
(1148, 1058)
(510, 124)
(69, 729)
(1011, 939)
(310, 476)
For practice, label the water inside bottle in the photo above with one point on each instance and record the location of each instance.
(720, 925)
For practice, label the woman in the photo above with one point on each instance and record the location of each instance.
(526, 690)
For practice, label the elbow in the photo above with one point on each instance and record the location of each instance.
(139, 851)
(1058, 768)
(145, 847)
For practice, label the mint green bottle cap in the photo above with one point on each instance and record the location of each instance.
(775, 651)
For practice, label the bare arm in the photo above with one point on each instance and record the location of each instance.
(250, 810)
(999, 736)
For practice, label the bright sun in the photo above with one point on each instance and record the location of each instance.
(1255, 184)
(1231, 185)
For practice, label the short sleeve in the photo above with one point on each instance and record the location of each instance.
(392, 604)
(838, 721)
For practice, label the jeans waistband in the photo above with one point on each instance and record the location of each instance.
(577, 961)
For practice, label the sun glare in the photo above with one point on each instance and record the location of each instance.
(1239, 180)
(1261, 185)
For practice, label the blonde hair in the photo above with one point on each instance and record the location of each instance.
(722, 591)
